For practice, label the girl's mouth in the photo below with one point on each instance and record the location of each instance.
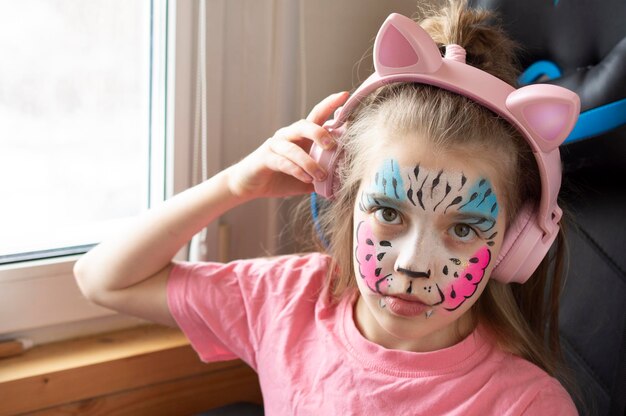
(405, 306)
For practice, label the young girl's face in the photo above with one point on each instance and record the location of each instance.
(427, 231)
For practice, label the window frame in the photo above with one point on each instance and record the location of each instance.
(42, 294)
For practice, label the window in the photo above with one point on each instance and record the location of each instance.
(75, 105)
(87, 133)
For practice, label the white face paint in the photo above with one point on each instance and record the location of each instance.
(424, 238)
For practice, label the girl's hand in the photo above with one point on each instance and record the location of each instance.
(282, 166)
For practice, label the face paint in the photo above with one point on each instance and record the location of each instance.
(388, 184)
(482, 199)
(465, 283)
(400, 209)
(367, 258)
(387, 180)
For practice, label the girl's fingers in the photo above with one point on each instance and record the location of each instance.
(279, 163)
(293, 159)
(296, 155)
(308, 129)
(325, 108)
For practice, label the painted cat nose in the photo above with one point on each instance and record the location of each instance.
(414, 274)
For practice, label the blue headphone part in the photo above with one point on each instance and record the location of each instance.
(593, 122)
(537, 70)
(598, 121)
(315, 214)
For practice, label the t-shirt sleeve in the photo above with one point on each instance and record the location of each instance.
(552, 399)
(226, 309)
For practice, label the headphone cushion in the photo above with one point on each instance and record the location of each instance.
(328, 160)
(523, 248)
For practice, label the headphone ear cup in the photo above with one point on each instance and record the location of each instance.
(523, 248)
(328, 160)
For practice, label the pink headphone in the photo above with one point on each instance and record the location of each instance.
(544, 114)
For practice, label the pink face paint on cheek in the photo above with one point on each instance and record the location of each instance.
(464, 286)
(366, 257)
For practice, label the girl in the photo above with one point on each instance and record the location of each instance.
(436, 202)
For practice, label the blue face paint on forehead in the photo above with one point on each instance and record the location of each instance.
(388, 181)
(481, 199)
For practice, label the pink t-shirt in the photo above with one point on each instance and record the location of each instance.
(276, 315)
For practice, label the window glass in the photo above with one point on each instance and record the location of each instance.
(74, 120)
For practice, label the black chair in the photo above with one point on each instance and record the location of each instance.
(581, 45)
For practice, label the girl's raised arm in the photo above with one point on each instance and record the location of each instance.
(128, 273)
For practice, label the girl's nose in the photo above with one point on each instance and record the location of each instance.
(416, 257)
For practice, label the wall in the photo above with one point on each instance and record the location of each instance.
(339, 36)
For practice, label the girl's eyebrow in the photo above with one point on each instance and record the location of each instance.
(483, 222)
(472, 216)
(369, 198)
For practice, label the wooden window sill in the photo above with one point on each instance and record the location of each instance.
(144, 370)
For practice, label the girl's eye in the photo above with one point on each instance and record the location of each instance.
(463, 232)
(387, 215)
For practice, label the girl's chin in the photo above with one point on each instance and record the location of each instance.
(417, 334)
(392, 331)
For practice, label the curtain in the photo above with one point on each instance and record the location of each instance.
(248, 84)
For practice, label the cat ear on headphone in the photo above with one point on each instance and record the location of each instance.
(548, 112)
(402, 46)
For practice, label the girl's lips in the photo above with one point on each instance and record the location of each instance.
(405, 307)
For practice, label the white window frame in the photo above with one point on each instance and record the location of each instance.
(40, 298)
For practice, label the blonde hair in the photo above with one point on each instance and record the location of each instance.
(517, 315)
